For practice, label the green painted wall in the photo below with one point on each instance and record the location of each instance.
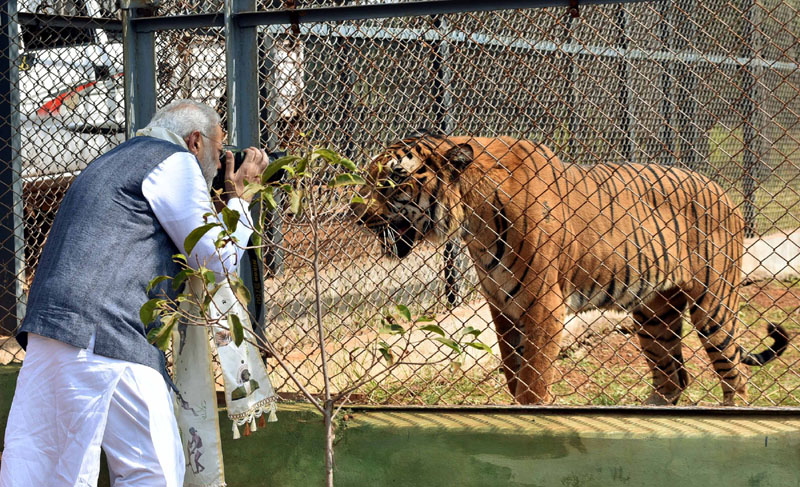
(500, 448)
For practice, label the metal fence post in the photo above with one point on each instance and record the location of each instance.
(241, 57)
(666, 133)
(751, 121)
(442, 76)
(139, 66)
(628, 121)
(690, 137)
(12, 242)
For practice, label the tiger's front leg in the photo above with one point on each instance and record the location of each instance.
(530, 345)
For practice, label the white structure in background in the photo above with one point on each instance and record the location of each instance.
(70, 89)
(289, 80)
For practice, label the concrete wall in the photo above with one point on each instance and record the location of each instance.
(523, 447)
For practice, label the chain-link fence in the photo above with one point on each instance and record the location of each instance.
(706, 87)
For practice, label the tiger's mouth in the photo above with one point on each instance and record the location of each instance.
(398, 237)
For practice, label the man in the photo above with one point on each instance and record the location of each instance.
(90, 379)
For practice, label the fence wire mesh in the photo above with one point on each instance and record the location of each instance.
(710, 88)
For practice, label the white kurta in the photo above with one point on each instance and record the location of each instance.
(70, 402)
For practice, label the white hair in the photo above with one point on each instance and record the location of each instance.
(182, 117)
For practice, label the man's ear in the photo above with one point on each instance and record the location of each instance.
(460, 156)
(193, 142)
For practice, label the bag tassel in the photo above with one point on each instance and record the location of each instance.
(235, 431)
(247, 429)
(253, 427)
(262, 421)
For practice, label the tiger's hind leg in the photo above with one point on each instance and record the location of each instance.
(659, 330)
(714, 319)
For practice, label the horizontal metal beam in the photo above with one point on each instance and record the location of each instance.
(373, 33)
(178, 22)
(410, 9)
(29, 19)
(352, 12)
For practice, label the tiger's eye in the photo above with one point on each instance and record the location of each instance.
(399, 174)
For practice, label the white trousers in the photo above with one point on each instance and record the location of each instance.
(70, 402)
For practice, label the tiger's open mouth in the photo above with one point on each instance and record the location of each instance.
(398, 237)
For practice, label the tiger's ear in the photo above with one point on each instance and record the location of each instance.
(460, 156)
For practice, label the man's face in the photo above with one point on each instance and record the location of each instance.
(208, 156)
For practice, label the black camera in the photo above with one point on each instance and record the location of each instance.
(238, 160)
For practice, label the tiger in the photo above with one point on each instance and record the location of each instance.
(547, 238)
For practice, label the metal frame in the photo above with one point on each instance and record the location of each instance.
(25, 18)
(140, 70)
(352, 12)
(12, 261)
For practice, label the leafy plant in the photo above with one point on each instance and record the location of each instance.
(314, 185)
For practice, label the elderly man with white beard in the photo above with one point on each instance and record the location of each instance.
(90, 379)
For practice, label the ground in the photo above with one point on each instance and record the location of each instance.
(604, 368)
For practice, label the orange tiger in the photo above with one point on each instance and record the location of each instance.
(547, 237)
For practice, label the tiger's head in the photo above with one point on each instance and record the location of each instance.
(412, 192)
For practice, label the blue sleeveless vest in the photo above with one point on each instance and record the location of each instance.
(105, 246)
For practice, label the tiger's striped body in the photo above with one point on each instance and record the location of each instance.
(547, 238)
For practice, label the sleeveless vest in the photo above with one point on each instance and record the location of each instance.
(104, 247)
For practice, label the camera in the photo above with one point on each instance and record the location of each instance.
(238, 159)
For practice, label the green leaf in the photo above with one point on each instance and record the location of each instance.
(357, 199)
(471, 331)
(162, 338)
(257, 243)
(295, 202)
(269, 199)
(348, 164)
(449, 343)
(153, 283)
(346, 179)
(276, 166)
(391, 329)
(230, 218)
(404, 312)
(251, 189)
(386, 351)
(209, 278)
(195, 235)
(240, 291)
(181, 277)
(326, 154)
(301, 166)
(237, 331)
(424, 319)
(179, 257)
(433, 328)
(480, 346)
(150, 310)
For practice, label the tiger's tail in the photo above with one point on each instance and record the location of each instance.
(780, 341)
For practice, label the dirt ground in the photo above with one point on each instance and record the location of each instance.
(601, 363)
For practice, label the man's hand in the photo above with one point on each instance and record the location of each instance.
(255, 161)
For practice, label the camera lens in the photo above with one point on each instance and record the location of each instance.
(238, 160)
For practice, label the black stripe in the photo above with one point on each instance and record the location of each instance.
(693, 309)
(710, 347)
(658, 180)
(501, 222)
(710, 330)
(609, 292)
(612, 192)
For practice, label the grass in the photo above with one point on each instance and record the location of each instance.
(613, 371)
(777, 193)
